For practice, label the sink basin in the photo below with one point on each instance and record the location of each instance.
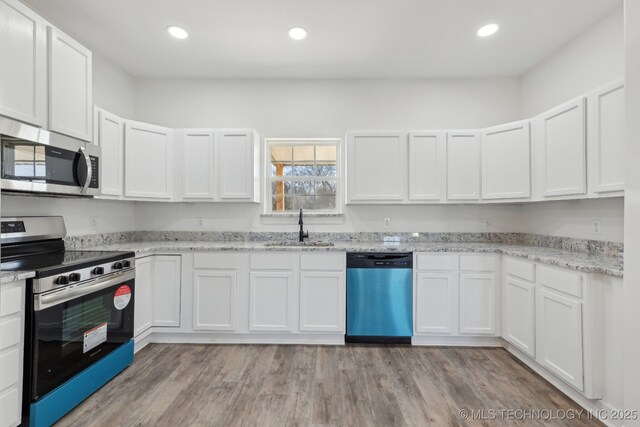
(300, 244)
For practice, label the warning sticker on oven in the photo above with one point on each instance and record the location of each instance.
(122, 297)
(94, 337)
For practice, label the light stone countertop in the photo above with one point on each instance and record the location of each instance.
(14, 276)
(579, 261)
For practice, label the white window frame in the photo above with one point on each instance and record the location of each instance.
(339, 178)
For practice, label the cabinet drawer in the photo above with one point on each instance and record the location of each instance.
(10, 331)
(441, 262)
(9, 368)
(10, 407)
(477, 263)
(561, 280)
(222, 261)
(10, 299)
(273, 261)
(326, 261)
(519, 268)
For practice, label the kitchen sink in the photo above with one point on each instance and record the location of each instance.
(300, 244)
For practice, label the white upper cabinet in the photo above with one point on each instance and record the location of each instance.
(198, 170)
(561, 138)
(149, 161)
(23, 77)
(463, 165)
(376, 167)
(506, 159)
(109, 131)
(606, 139)
(427, 166)
(238, 165)
(70, 86)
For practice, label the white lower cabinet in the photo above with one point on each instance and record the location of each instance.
(518, 314)
(559, 336)
(158, 292)
(322, 301)
(477, 303)
(12, 311)
(436, 302)
(271, 301)
(214, 300)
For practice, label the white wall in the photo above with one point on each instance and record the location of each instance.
(592, 59)
(78, 214)
(631, 290)
(574, 218)
(113, 88)
(327, 108)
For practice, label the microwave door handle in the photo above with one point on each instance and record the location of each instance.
(63, 295)
(87, 159)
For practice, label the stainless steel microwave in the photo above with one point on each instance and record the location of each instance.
(38, 161)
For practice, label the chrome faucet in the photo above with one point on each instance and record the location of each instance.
(302, 234)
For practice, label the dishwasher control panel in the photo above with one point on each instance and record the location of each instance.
(379, 260)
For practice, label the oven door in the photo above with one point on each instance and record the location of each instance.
(78, 325)
(67, 168)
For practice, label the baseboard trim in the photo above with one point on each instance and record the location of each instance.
(460, 341)
(222, 338)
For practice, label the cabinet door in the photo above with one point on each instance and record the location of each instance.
(563, 150)
(606, 139)
(143, 313)
(436, 303)
(198, 164)
(322, 301)
(167, 279)
(519, 314)
(214, 300)
(506, 160)
(148, 165)
(70, 86)
(559, 336)
(111, 141)
(23, 78)
(236, 165)
(427, 166)
(463, 166)
(477, 306)
(271, 301)
(376, 167)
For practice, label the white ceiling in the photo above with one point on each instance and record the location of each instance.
(347, 38)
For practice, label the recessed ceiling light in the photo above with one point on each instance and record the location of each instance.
(297, 33)
(177, 32)
(487, 30)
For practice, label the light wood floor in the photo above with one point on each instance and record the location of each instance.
(278, 385)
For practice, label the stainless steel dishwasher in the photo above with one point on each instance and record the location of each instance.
(379, 297)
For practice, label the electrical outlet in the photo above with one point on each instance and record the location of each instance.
(387, 222)
(200, 222)
(93, 223)
(486, 224)
(597, 228)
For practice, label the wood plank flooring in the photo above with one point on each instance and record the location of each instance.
(286, 385)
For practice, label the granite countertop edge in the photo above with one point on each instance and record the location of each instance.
(15, 276)
(578, 261)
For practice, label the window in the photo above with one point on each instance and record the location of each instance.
(303, 173)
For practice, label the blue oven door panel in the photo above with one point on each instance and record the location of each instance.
(380, 302)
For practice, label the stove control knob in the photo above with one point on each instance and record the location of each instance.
(126, 264)
(98, 271)
(74, 277)
(62, 280)
(118, 266)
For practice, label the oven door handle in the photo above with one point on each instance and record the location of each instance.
(51, 299)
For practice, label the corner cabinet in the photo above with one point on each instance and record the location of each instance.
(506, 161)
(109, 135)
(148, 161)
(24, 77)
(561, 148)
(70, 86)
(463, 166)
(376, 167)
